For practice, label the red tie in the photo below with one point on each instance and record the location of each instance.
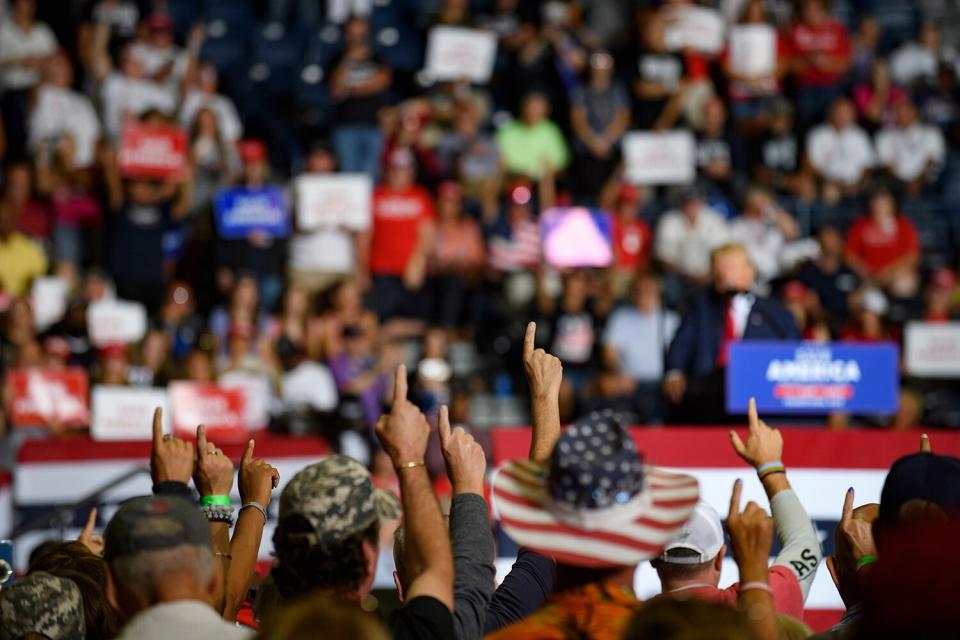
(729, 335)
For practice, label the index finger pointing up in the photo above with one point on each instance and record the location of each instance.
(201, 440)
(754, 419)
(735, 498)
(400, 384)
(157, 426)
(847, 513)
(443, 424)
(529, 339)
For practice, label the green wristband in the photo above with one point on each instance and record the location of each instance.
(216, 501)
(864, 561)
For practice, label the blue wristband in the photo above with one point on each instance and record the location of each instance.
(769, 465)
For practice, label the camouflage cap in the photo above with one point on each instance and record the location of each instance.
(42, 604)
(153, 523)
(337, 497)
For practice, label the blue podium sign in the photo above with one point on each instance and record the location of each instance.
(240, 212)
(812, 377)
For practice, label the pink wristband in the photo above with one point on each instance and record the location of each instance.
(761, 586)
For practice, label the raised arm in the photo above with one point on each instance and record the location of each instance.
(213, 478)
(800, 546)
(471, 537)
(751, 540)
(544, 375)
(257, 481)
(403, 434)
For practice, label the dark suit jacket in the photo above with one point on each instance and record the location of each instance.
(697, 342)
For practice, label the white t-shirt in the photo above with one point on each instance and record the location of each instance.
(310, 384)
(227, 119)
(126, 98)
(154, 59)
(16, 44)
(840, 156)
(59, 111)
(687, 246)
(908, 151)
(326, 250)
(911, 62)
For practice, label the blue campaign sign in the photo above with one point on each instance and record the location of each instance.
(241, 211)
(812, 377)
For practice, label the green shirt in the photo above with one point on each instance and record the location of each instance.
(525, 149)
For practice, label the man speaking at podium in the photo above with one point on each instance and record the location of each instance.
(716, 316)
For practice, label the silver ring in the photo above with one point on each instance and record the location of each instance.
(167, 437)
(6, 572)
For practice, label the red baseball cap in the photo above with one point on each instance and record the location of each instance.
(251, 150)
(628, 194)
(450, 190)
(114, 350)
(520, 193)
(794, 291)
(160, 22)
(944, 278)
(401, 158)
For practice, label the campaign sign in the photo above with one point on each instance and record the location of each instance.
(753, 50)
(932, 349)
(576, 237)
(454, 53)
(45, 398)
(256, 390)
(659, 158)
(341, 200)
(152, 152)
(241, 211)
(116, 322)
(222, 411)
(809, 377)
(126, 413)
(699, 28)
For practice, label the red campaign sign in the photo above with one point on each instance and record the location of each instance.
(222, 411)
(44, 398)
(153, 152)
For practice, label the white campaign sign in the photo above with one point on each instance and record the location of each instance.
(659, 158)
(753, 50)
(49, 299)
(932, 349)
(126, 413)
(333, 200)
(256, 389)
(693, 27)
(454, 53)
(116, 322)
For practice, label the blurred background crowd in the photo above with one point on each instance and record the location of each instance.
(839, 172)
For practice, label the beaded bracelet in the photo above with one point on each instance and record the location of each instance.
(218, 513)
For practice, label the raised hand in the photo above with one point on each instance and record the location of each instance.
(544, 371)
(89, 539)
(857, 533)
(925, 446)
(171, 459)
(258, 478)
(404, 431)
(751, 535)
(466, 462)
(214, 472)
(763, 443)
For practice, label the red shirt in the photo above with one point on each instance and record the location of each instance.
(787, 597)
(631, 244)
(829, 38)
(878, 247)
(397, 216)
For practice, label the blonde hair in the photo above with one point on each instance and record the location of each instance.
(728, 248)
(304, 618)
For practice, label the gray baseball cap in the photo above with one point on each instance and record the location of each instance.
(337, 497)
(42, 604)
(153, 523)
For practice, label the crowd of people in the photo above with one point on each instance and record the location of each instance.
(584, 507)
(834, 174)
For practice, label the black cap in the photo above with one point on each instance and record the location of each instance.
(920, 476)
(154, 523)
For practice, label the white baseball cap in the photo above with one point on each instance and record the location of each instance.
(702, 534)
